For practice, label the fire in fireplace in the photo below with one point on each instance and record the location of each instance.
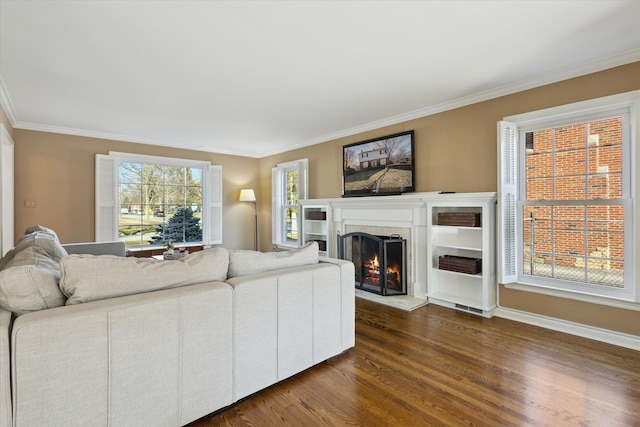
(380, 261)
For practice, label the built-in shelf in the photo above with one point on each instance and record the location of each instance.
(411, 216)
(466, 291)
(316, 226)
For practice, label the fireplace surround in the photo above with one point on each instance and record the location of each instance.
(413, 216)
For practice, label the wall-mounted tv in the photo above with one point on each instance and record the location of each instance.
(380, 166)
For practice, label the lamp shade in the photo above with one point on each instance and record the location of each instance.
(247, 195)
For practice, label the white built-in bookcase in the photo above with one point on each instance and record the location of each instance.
(473, 293)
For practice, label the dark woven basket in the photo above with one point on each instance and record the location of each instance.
(460, 264)
(459, 219)
(317, 215)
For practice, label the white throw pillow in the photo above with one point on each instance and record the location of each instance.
(87, 278)
(243, 262)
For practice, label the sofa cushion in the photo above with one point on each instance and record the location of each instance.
(88, 277)
(243, 262)
(30, 282)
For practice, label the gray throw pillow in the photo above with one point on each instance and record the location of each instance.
(30, 274)
(38, 236)
(30, 282)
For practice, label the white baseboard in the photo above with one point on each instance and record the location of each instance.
(598, 334)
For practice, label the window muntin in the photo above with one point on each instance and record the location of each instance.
(571, 214)
(159, 203)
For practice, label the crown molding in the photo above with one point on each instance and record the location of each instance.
(7, 105)
(564, 74)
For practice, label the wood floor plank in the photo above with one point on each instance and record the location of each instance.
(439, 367)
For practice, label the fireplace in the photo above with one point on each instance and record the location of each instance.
(380, 261)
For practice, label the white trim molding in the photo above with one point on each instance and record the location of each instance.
(7, 196)
(565, 326)
(575, 70)
(7, 105)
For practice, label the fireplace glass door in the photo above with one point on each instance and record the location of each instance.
(380, 262)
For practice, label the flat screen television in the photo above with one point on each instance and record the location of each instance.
(380, 166)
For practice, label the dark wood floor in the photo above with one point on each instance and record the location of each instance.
(436, 366)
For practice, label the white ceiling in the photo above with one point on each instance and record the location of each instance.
(256, 78)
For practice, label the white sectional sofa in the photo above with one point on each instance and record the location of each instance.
(141, 342)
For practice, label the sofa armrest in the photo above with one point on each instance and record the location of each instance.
(5, 368)
(348, 297)
(96, 248)
(339, 262)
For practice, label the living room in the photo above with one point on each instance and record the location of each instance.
(456, 150)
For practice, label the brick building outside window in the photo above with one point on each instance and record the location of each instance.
(569, 239)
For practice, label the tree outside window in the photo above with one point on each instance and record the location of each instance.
(159, 204)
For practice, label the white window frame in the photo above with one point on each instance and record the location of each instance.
(279, 202)
(510, 191)
(107, 186)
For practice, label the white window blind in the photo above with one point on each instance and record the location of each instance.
(106, 198)
(213, 225)
(507, 196)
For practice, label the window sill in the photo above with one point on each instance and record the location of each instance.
(149, 251)
(285, 247)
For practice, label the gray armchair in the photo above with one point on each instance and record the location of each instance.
(96, 248)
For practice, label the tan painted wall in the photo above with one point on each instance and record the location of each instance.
(457, 151)
(57, 172)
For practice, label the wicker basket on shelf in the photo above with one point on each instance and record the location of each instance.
(460, 264)
(459, 219)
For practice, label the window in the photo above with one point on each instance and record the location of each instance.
(148, 201)
(289, 185)
(565, 182)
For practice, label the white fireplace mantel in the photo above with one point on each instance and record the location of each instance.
(406, 213)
